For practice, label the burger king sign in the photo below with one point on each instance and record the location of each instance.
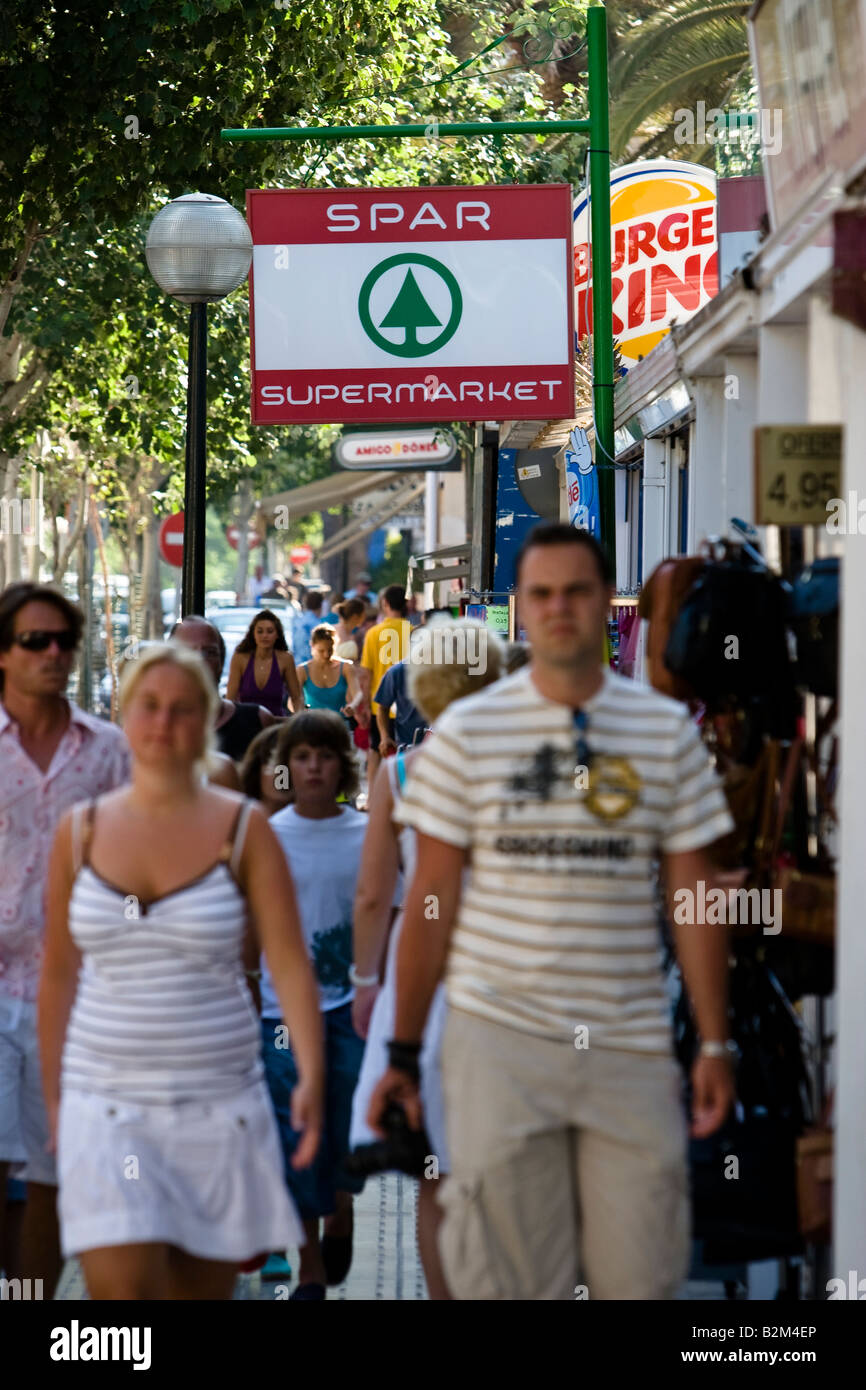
(663, 252)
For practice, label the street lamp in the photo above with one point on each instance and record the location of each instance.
(199, 250)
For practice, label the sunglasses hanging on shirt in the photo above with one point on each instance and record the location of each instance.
(582, 751)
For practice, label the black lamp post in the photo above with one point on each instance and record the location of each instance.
(198, 250)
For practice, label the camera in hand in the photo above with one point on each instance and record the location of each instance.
(403, 1149)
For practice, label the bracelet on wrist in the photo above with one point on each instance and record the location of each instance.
(713, 1048)
(403, 1056)
(361, 981)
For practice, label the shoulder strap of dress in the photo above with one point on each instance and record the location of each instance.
(234, 845)
(82, 834)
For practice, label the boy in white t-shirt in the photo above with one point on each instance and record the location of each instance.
(322, 842)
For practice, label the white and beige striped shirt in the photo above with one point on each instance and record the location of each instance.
(556, 926)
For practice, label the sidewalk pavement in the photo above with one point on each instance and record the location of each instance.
(386, 1264)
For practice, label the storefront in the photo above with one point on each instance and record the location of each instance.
(784, 344)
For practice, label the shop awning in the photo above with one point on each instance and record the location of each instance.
(332, 491)
(374, 516)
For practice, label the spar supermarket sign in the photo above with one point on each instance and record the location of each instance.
(415, 304)
(663, 252)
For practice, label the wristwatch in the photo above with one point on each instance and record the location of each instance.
(728, 1049)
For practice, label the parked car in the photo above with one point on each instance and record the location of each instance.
(220, 598)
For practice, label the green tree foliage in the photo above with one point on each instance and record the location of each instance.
(112, 108)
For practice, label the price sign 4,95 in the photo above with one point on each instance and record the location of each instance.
(797, 473)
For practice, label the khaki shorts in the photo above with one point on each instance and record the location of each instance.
(568, 1176)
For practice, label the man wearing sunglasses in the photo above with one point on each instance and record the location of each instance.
(52, 755)
(559, 788)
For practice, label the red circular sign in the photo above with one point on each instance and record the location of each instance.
(301, 554)
(253, 537)
(171, 540)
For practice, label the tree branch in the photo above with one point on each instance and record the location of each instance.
(23, 391)
(13, 283)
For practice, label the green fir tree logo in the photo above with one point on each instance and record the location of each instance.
(411, 311)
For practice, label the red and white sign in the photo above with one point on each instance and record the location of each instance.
(170, 540)
(414, 304)
(301, 554)
(663, 252)
(233, 536)
(386, 449)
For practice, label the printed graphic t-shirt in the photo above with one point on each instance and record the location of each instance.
(324, 857)
(556, 927)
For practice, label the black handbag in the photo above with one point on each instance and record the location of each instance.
(728, 640)
(744, 1177)
(815, 622)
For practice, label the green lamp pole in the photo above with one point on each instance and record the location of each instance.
(598, 129)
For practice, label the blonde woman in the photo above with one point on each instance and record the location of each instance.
(447, 662)
(170, 1172)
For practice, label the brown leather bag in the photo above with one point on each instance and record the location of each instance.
(808, 896)
(660, 601)
(815, 1182)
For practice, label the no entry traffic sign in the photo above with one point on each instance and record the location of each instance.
(171, 540)
(411, 303)
(233, 534)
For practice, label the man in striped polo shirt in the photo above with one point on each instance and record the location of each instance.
(560, 788)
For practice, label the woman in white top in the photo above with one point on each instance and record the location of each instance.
(449, 660)
(169, 1169)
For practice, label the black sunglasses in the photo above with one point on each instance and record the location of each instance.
(40, 639)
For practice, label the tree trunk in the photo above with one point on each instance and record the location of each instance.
(152, 598)
(64, 550)
(85, 601)
(242, 509)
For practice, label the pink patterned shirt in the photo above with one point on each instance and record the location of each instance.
(91, 758)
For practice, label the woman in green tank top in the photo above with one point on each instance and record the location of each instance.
(326, 681)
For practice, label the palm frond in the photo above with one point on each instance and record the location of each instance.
(682, 78)
(667, 28)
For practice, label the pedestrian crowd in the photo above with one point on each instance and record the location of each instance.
(232, 988)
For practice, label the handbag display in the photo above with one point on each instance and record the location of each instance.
(815, 1185)
(660, 601)
(808, 894)
(748, 1210)
(808, 905)
(729, 640)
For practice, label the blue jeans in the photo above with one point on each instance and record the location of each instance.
(314, 1189)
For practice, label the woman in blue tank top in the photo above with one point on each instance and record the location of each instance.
(326, 681)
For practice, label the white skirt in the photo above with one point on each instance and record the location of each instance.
(375, 1062)
(204, 1176)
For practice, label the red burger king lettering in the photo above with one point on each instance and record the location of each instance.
(663, 252)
